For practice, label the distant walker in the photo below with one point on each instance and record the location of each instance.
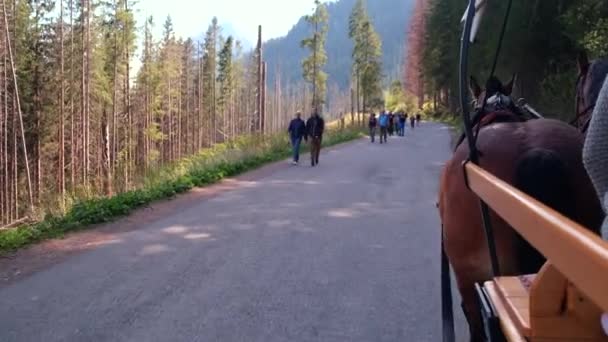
(297, 131)
(373, 123)
(314, 130)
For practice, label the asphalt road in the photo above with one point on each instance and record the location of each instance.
(347, 251)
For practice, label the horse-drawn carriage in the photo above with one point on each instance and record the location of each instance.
(529, 177)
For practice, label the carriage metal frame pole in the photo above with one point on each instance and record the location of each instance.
(473, 152)
(447, 310)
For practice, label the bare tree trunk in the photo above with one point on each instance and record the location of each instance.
(88, 94)
(127, 96)
(15, 168)
(282, 122)
(2, 163)
(178, 129)
(315, 106)
(263, 103)
(18, 103)
(358, 92)
(200, 124)
(148, 106)
(105, 155)
(4, 181)
(61, 109)
(72, 111)
(260, 99)
(37, 109)
(114, 141)
(84, 92)
(188, 99)
(170, 122)
(352, 106)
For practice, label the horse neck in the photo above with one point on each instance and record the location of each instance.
(487, 118)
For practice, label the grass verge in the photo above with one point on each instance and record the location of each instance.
(453, 121)
(207, 167)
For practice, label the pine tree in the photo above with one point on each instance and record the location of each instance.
(188, 96)
(148, 83)
(169, 85)
(367, 53)
(355, 23)
(225, 80)
(312, 66)
(209, 79)
(371, 68)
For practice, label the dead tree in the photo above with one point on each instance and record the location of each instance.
(18, 103)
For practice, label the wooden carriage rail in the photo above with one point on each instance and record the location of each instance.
(580, 255)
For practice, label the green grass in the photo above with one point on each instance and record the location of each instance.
(205, 168)
(454, 121)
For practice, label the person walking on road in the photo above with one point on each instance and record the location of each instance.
(412, 121)
(373, 123)
(314, 130)
(297, 131)
(391, 123)
(402, 120)
(383, 121)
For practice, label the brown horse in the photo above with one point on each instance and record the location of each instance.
(540, 157)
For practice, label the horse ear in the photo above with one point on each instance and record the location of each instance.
(474, 87)
(583, 62)
(511, 85)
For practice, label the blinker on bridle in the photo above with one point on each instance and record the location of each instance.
(579, 97)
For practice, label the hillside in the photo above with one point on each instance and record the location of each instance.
(390, 17)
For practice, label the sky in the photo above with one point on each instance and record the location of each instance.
(192, 17)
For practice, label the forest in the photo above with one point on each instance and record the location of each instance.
(78, 124)
(390, 18)
(541, 44)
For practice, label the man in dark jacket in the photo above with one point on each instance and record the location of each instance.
(373, 123)
(314, 130)
(391, 123)
(297, 131)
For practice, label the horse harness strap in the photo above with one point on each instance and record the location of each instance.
(487, 118)
(583, 119)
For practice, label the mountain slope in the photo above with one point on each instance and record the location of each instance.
(390, 18)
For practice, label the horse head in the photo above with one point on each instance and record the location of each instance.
(495, 97)
(591, 76)
(499, 107)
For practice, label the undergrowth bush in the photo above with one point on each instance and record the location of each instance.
(206, 167)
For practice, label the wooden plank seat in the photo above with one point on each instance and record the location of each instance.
(516, 298)
(567, 296)
(544, 308)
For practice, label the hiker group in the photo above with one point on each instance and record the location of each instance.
(311, 129)
(390, 123)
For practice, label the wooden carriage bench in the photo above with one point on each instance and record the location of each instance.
(564, 301)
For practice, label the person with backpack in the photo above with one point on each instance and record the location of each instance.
(314, 130)
(372, 124)
(297, 131)
(383, 122)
